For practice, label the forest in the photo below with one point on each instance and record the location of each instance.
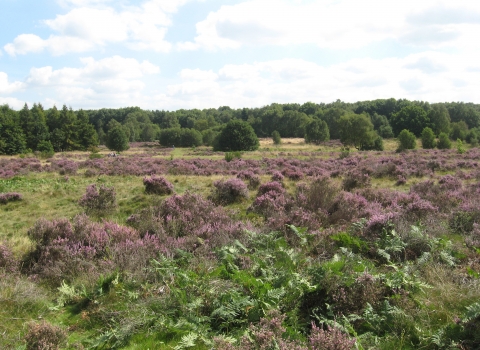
(312, 227)
(37, 130)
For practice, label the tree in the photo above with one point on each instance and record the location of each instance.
(12, 139)
(317, 131)
(459, 130)
(237, 136)
(117, 139)
(357, 130)
(412, 118)
(439, 118)
(428, 138)
(406, 140)
(331, 116)
(443, 141)
(276, 137)
(86, 134)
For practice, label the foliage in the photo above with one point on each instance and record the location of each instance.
(356, 130)
(406, 140)
(444, 141)
(316, 132)
(180, 137)
(43, 336)
(277, 140)
(229, 191)
(237, 136)
(157, 185)
(117, 140)
(412, 118)
(98, 201)
(428, 138)
(10, 197)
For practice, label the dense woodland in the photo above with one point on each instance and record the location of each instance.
(53, 130)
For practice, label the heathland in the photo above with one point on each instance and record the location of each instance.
(291, 246)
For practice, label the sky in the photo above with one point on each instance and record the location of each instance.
(172, 54)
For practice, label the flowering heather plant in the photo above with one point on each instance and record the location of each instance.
(98, 201)
(330, 339)
(10, 197)
(8, 263)
(274, 187)
(157, 185)
(44, 336)
(356, 179)
(277, 176)
(252, 178)
(64, 166)
(229, 191)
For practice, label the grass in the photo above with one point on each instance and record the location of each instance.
(140, 307)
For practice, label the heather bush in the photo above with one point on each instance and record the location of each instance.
(229, 191)
(252, 178)
(10, 197)
(274, 186)
(98, 201)
(356, 179)
(157, 185)
(330, 339)
(8, 263)
(293, 174)
(277, 176)
(44, 336)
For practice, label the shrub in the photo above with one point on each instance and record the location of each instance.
(44, 336)
(443, 141)
(428, 138)
(277, 176)
(460, 147)
(406, 140)
(356, 179)
(237, 135)
(98, 201)
(253, 179)
(10, 197)
(229, 156)
(229, 191)
(7, 260)
(117, 139)
(330, 339)
(276, 138)
(157, 185)
(180, 137)
(316, 132)
(275, 187)
(45, 148)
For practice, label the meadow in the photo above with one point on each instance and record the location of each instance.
(294, 246)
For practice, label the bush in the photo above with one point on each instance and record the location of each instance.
(276, 138)
(253, 179)
(46, 149)
(180, 137)
(406, 140)
(277, 176)
(98, 201)
(44, 336)
(117, 139)
(316, 132)
(330, 339)
(10, 197)
(443, 141)
(157, 185)
(229, 191)
(7, 260)
(237, 135)
(428, 138)
(229, 156)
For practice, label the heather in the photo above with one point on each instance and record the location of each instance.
(294, 246)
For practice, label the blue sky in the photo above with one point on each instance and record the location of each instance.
(171, 54)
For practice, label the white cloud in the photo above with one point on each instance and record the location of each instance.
(335, 24)
(6, 87)
(88, 27)
(12, 102)
(114, 80)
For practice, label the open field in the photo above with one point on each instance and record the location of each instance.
(381, 249)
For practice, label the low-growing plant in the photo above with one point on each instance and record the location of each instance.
(229, 156)
(98, 201)
(229, 191)
(157, 185)
(44, 336)
(10, 197)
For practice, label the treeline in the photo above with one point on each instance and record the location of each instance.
(37, 129)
